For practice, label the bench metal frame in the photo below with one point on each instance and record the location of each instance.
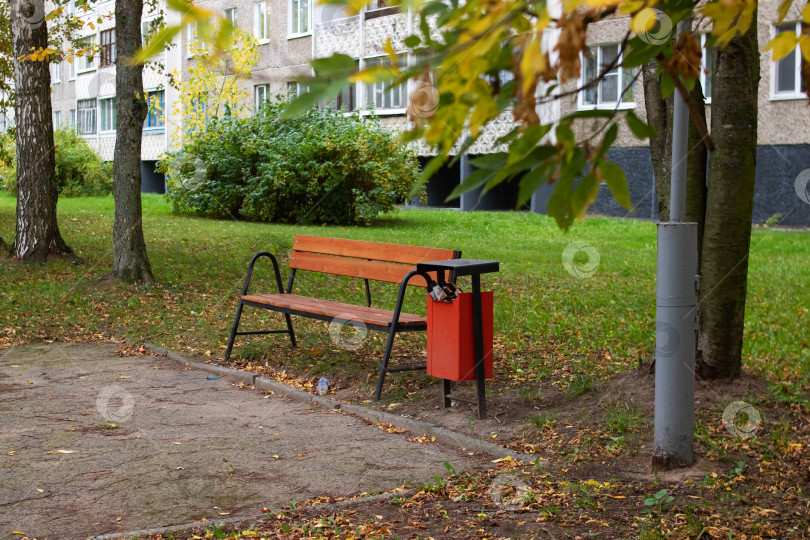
(391, 329)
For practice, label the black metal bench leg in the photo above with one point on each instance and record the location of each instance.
(384, 368)
(290, 329)
(233, 330)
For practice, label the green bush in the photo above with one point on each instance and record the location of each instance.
(80, 172)
(321, 167)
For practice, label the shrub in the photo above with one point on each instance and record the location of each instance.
(321, 167)
(80, 172)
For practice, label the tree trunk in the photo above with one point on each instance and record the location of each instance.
(729, 207)
(37, 233)
(659, 117)
(130, 262)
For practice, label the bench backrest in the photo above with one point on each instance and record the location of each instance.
(375, 261)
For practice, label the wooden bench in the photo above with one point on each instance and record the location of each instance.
(369, 261)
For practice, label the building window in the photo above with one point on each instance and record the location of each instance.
(87, 61)
(108, 114)
(381, 95)
(260, 95)
(56, 72)
(230, 16)
(607, 93)
(72, 118)
(57, 119)
(108, 53)
(707, 61)
(260, 21)
(787, 78)
(155, 118)
(86, 109)
(299, 17)
(148, 29)
(72, 61)
(191, 38)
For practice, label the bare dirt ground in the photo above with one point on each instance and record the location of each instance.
(93, 442)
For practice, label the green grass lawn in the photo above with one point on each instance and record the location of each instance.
(606, 319)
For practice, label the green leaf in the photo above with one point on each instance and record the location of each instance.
(607, 142)
(490, 161)
(531, 181)
(584, 195)
(335, 65)
(667, 85)
(476, 179)
(527, 142)
(616, 180)
(639, 128)
(317, 93)
(157, 44)
(412, 41)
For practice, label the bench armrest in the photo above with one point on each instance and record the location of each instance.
(275, 270)
(401, 296)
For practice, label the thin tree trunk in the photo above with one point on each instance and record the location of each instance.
(130, 262)
(659, 117)
(37, 233)
(729, 207)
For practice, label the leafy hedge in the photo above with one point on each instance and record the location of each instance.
(80, 172)
(321, 167)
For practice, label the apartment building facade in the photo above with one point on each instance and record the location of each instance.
(783, 124)
(292, 32)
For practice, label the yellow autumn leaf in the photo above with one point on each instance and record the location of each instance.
(502, 460)
(532, 63)
(591, 483)
(806, 13)
(644, 21)
(65, 451)
(632, 7)
(782, 45)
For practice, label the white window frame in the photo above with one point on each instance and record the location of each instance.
(230, 14)
(261, 93)
(191, 38)
(56, 72)
(57, 119)
(72, 118)
(261, 22)
(84, 64)
(620, 82)
(107, 110)
(91, 112)
(296, 18)
(375, 88)
(796, 93)
(706, 66)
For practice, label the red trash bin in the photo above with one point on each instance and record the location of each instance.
(450, 346)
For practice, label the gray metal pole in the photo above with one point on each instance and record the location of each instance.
(676, 301)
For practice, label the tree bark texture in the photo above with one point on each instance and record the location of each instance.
(659, 117)
(130, 261)
(37, 233)
(729, 207)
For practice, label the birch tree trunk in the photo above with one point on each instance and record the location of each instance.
(130, 262)
(729, 207)
(37, 234)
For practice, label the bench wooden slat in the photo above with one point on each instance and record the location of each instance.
(374, 270)
(380, 317)
(376, 251)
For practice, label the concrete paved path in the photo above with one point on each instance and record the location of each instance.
(184, 447)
